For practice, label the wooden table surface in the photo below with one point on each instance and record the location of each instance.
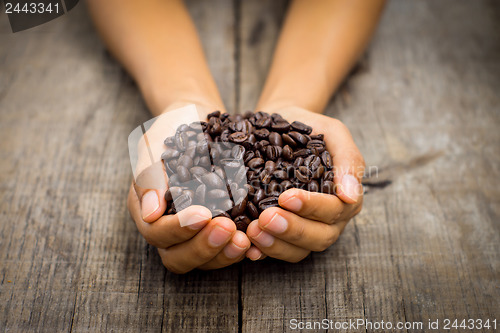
(424, 108)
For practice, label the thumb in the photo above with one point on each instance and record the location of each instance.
(150, 187)
(348, 166)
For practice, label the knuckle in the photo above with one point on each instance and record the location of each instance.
(204, 253)
(297, 233)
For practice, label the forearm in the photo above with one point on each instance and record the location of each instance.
(319, 43)
(157, 43)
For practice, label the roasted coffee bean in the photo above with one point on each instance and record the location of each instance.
(253, 212)
(301, 127)
(313, 186)
(280, 174)
(211, 179)
(328, 175)
(316, 144)
(219, 212)
(183, 201)
(327, 159)
(264, 122)
(281, 126)
(238, 137)
(318, 137)
(328, 187)
(255, 163)
(258, 196)
(239, 209)
(298, 162)
(262, 133)
(198, 171)
(268, 203)
(302, 153)
(214, 114)
(275, 139)
(183, 173)
(185, 161)
(300, 138)
(287, 153)
(303, 174)
(200, 194)
(181, 141)
(270, 166)
(265, 177)
(285, 185)
(169, 154)
(318, 173)
(273, 152)
(288, 140)
(242, 222)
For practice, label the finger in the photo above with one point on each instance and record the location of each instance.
(200, 249)
(322, 207)
(232, 253)
(150, 187)
(348, 164)
(296, 230)
(255, 254)
(275, 247)
(167, 230)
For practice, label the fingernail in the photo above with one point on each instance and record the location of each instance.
(264, 239)
(254, 254)
(150, 203)
(293, 203)
(218, 236)
(278, 224)
(350, 187)
(232, 251)
(195, 221)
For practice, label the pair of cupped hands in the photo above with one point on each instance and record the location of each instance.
(304, 222)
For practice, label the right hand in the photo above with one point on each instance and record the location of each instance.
(204, 243)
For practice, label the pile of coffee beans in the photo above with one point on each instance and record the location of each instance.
(238, 165)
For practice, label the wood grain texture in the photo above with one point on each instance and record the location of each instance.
(424, 109)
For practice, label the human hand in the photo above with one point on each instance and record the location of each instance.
(203, 242)
(310, 221)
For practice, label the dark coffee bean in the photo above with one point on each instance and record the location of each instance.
(184, 174)
(181, 140)
(298, 162)
(172, 193)
(170, 141)
(197, 170)
(318, 173)
(202, 147)
(270, 166)
(288, 140)
(239, 209)
(211, 179)
(285, 185)
(264, 122)
(219, 212)
(275, 139)
(275, 187)
(253, 212)
(255, 163)
(258, 196)
(268, 203)
(299, 138)
(214, 155)
(318, 137)
(316, 144)
(250, 189)
(237, 152)
(248, 156)
(313, 186)
(216, 193)
(287, 153)
(327, 159)
(328, 187)
(262, 133)
(238, 137)
(214, 114)
(230, 163)
(200, 194)
(302, 153)
(303, 174)
(301, 127)
(328, 175)
(273, 152)
(265, 177)
(242, 223)
(281, 126)
(173, 180)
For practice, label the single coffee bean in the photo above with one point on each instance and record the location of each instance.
(185, 161)
(264, 122)
(253, 212)
(182, 202)
(328, 187)
(270, 166)
(313, 186)
(268, 203)
(318, 173)
(183, 173)
(197, 170)
(328, 175)
(301, 127)
(273, 152)
(318, 137)
(300, 138)
(238, 137)
(169, 154)
(258, 196)
(275, 139)
(327, 159)
(286, 184)
(242, 222)
(214, 114)
(288, 140)
(181, 141)
(287, 153)
(303, 174)
(211, 179)
(200, 194)
(302, 153)
(255, 163)
(281, 126)
(262, 133)
(265, 177)
(280, 174)
(219, 212)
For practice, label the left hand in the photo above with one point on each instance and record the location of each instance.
(312, 221)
